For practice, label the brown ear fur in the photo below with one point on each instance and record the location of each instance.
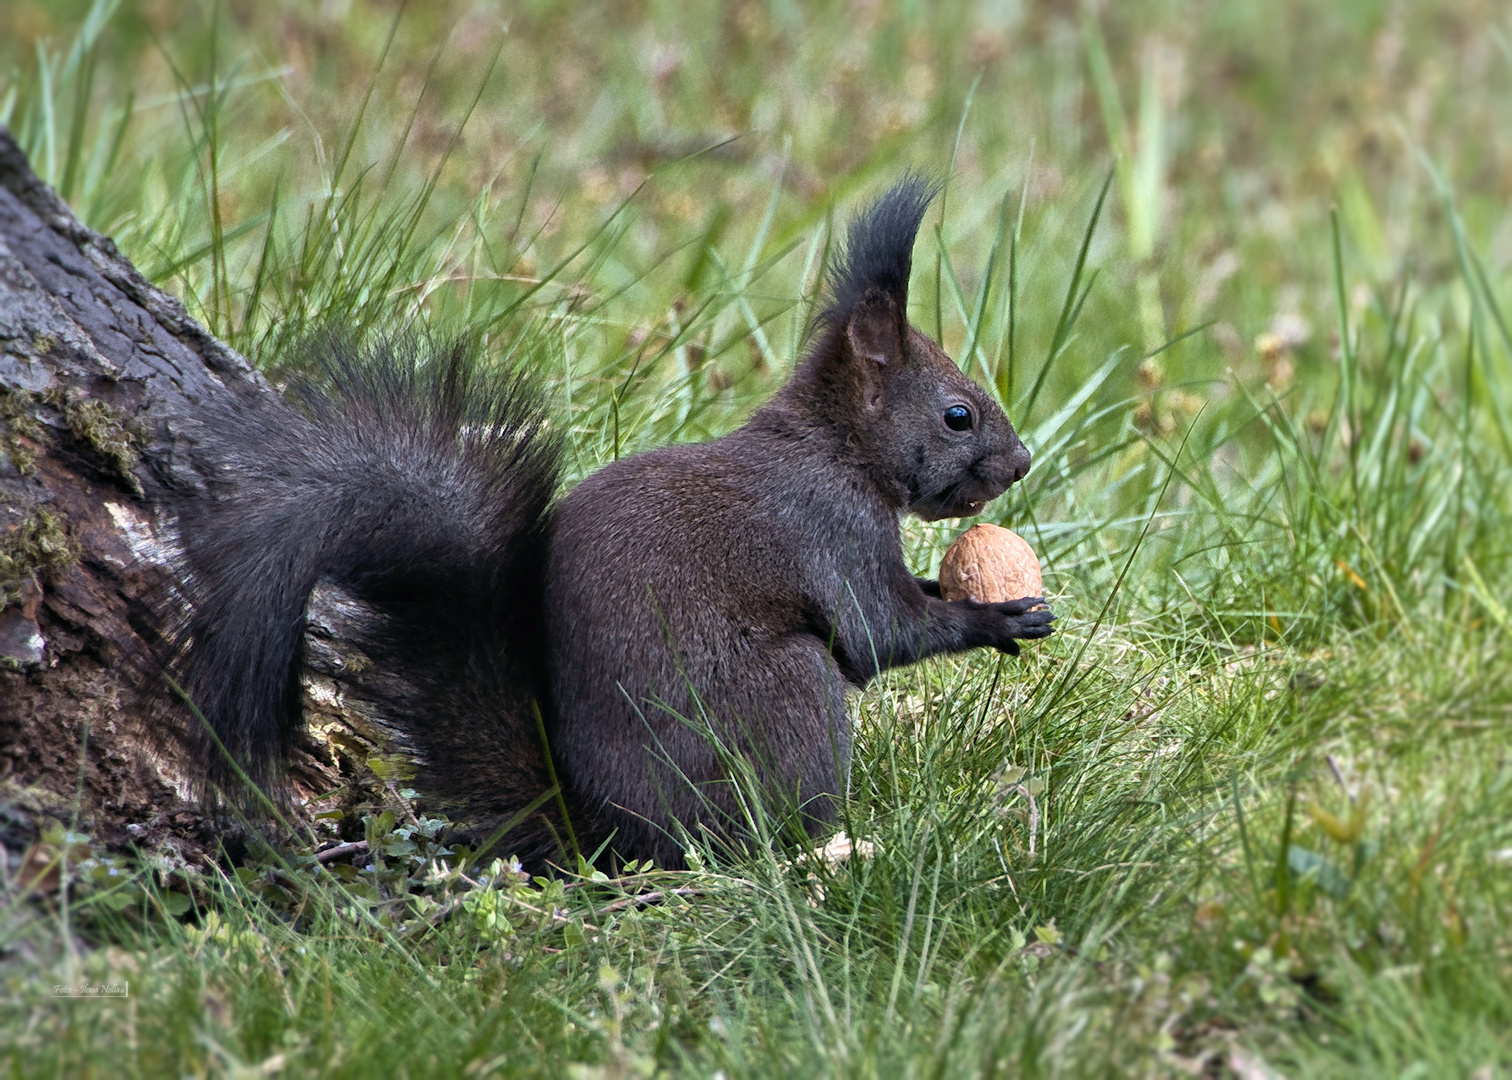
(874, 330)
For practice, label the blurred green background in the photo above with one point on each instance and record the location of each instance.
(1237, 127)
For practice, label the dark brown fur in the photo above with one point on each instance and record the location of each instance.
(700, 604)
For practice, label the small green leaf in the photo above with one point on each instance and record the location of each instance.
(121, 899)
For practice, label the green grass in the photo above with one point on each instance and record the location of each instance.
(1251, 805)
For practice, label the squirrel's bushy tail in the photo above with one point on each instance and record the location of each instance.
(404, 475)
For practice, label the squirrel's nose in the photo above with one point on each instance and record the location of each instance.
(1018, 462)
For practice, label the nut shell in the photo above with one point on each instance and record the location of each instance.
(990, 564)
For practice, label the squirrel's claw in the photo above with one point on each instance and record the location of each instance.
(1027, 619)
(1019, 607)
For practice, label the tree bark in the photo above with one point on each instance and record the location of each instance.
(100, 373)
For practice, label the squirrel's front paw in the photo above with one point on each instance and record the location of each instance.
(1024, 619)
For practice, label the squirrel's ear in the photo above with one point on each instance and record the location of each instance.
(874, 330)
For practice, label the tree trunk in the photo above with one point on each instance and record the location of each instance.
(99, 375)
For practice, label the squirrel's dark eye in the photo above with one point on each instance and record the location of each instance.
(958, 418)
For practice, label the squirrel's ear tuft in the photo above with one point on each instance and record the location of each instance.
(878, 251)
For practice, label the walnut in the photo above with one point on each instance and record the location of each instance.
(990, 564)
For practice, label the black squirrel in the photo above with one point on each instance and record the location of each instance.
(673, 609)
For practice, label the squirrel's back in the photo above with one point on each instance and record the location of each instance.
(692, 593)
